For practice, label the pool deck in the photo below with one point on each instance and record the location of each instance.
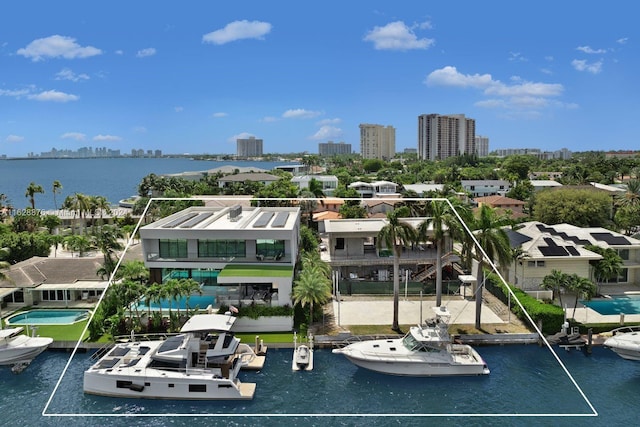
(586, 315)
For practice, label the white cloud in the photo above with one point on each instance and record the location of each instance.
(329, 122)
(143, 53)
(238, 30)
(583, 65)
(327, 132)
(74, 135)
(300, 113)
(219, 115)
(54, 96)
(449, 76)
(57, 46)
(178, 109)
(517, 56)
(67, 74)
(14, 138)
(622, 40)
(269, 119)
(140, 129)
(396, 36)
(519, 94)
(242, 135)
(589, 50)
(119, 52)
(17, 93)
(106, 138)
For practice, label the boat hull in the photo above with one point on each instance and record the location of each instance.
(196, 387)
(418, 369)
(24, 352)
(625, 345)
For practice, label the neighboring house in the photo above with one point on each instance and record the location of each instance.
(503, 203)
(485, 187)
(546, 175)
(229, 180)
(379, 207)
(53, 282)
(294, 169)
(421, 189)
(561, 247)
(375, 189)
(235, 253)
(543, 184)
(329, 182)
(352, 250)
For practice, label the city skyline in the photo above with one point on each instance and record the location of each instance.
(195, 79)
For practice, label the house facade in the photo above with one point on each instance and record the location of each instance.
(239, 255)
(329, 182)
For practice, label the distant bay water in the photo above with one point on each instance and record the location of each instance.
(113, 178)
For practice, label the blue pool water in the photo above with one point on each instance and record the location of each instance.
(202, 301)
(617, 304)
(48, 317)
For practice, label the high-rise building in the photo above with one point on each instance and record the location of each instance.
(482, 146)
(440, 137)
(332, 149)
(377, 142)
(249, 147)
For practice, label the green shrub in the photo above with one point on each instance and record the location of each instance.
(550, 315)
(254, 311)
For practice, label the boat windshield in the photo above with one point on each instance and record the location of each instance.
(413, 344)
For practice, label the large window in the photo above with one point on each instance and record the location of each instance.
(270, 248)
(222, 248)
(173, 248)
(56, 295)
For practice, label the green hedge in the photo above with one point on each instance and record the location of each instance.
(550, 315)
(254, 311)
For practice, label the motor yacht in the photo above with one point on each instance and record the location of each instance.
(625, 342)
(18, 349)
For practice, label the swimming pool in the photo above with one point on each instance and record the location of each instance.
(48, 317)
(617, 304)
(202, 301)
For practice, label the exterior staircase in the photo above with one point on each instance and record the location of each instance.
(449, 258)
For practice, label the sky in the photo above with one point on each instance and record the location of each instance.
(191, 77)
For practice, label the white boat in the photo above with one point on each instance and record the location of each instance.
(625, 341)
(424, 351)
(302, 355)
(202, 362)
(18, 350)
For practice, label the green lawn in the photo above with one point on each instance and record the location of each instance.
(62, 332)
(266, 337)
(256, 271)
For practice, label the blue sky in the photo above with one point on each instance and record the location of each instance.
(191, 77)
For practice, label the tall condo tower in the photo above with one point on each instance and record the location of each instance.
(440, 137)
(377, 142)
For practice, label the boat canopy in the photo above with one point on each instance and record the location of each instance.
(8, 333)
(209, 322)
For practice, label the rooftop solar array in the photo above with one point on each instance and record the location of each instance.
(179, 220)
(281, 219)
(197, 220)
(573, 251)
(517, 239)
(553, 251)
(611, 239)
(263, 220)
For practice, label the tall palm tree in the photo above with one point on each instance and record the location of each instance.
(107, 242)
(395, 235)
(494, 242)
(440, 220)
(631, 197)
(56, 189)
(133, 270)
(582, 287)
(189, 288)
(32, 189)
(556, 282)
(79, 204)
(312, 288)
(607, 268)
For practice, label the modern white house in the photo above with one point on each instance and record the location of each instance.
(240, 255)
(375, 189)
(486, 187)
(329, 182)
(561, 247)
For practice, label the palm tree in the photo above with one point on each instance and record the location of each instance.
(607, 268)
(631, 197)
(395, 235)
(582, 287)
(494, 242)
(57, 188)
(311, 287)
(189, 288)
(4, 254)
(440, 220)
(32, 189)
(555, 282)
(107, 242)
(78, 243)
(153, 294)
(133, 270)
(79, 204)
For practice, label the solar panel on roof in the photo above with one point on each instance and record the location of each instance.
(516, 239)
(197, 220)
(573, 251)
(549, 241)
(553, 251)
(280, 219)
(610, 239)
(179, 220)
(264, 219)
